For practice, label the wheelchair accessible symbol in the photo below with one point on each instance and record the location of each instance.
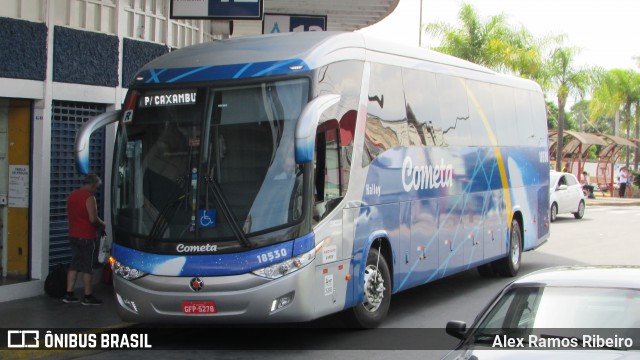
(207, 218)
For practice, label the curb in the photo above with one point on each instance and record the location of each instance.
(613, 203)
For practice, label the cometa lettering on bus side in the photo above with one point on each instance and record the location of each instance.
(427, 176)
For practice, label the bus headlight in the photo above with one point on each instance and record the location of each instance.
(127, 272)
(287, 267)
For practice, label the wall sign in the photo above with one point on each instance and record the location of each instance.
(19, 186)
(277, 23)
(217, 9)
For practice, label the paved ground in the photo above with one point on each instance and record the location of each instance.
(43, 312)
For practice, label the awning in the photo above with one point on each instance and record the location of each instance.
(618, 140)
(586, 138)
(342, 15)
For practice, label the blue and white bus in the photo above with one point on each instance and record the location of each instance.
(286, 177)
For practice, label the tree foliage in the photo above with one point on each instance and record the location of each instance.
(492, 43)
(565, 79)
(618, 90)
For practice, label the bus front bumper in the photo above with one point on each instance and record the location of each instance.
(245, 298)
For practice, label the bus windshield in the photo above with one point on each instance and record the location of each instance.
(192, 162)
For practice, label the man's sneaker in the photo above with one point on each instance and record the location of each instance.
(91, 300)
(68, 299)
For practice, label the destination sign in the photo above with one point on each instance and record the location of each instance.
(187, 97)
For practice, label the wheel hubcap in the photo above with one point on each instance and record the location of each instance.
(373, 288)
(554, 212)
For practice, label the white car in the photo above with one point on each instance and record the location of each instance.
(565, 195)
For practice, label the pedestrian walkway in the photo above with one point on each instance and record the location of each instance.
(613, 201)
(44, 312)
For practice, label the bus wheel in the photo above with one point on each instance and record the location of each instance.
(510, 265)
(377, 294)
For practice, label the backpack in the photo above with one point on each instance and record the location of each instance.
(56, 283)
(107, 275)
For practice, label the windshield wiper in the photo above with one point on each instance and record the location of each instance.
(227, 213)
(161, 223)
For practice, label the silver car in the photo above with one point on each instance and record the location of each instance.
(589, 312)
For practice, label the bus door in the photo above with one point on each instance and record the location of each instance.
(331, 270)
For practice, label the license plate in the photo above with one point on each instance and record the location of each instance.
(198, 307)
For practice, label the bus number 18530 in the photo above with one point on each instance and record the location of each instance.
(272, 255)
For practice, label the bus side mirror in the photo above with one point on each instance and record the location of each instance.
(81, 148)
(307, 125)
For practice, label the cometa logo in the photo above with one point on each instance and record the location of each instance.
(427, 176)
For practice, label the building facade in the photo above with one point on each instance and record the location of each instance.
(64, 61)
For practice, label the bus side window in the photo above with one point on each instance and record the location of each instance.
(423, 111)
(327, 182)
(481, 114)
(386, 125)
(454, 110)
(526, 134)
(504, 106)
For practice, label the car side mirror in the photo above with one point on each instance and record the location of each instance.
(562, 187)
(457, 329)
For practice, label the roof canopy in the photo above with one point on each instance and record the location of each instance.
(342, 15)
(618, 140)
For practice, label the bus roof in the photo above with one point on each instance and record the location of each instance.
(274, 54)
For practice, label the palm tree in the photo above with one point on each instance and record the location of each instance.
(493, 43)
(618, 91)
(565, 80)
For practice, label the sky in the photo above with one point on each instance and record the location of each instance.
(607, 32)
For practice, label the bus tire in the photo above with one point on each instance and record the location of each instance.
(510, 265)
(377, 294)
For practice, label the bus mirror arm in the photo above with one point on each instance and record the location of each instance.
(81, 148)
(308, 124)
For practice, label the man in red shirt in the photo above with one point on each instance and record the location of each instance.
(84, 223)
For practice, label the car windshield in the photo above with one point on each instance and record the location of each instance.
(526, 308)
(190, 162)
(553, 177)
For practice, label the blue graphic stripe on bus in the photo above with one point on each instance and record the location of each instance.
(209, 265)
(221, 72)
(241, 71)
(153, 75)
(303, 244)
(188, 73)
(457, 237)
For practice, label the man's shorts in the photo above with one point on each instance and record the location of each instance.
(82, 254)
